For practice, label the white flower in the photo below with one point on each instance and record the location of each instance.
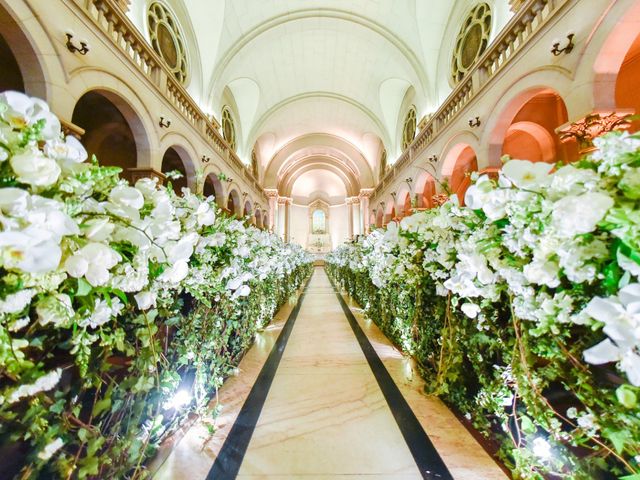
(205, 214)
(471, 310)
(14, 201)
(55, 309)
(93, 262)
(526, 174)
(98, 229)
(124, 196)
(33, 168)
(147, 186)
(31, 250)
(176, 273)
(69, 151)
(243, 291)
(476, 195)
(42, 384)
(145, 300)
(574, 215)
(542, 272)
(16, 302)
(621, 317)
(19, 324)
(51, 448)
(22, 111)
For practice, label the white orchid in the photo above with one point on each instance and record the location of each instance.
(33, 168)
(93, 261)
(19, 111)
(621, 318)
(526, 174)
(31, 250)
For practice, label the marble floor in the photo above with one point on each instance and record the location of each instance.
(326, 413)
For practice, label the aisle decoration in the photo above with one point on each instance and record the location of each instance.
(122, 308)
(523, 308)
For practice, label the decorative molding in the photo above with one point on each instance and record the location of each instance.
(585, 130)
(366, 193)
(353, 200)
(271, 193)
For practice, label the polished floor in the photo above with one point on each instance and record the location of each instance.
(322, 405)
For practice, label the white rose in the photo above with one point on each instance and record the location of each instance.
(33, 168)
(124, 196)
(14, 201)
(145, 300)
(574, 215)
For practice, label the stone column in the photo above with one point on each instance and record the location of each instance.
(287, 219)
(357, 227)
(282, 217)
(364, 196)
(592, 126)
(272, 195)
(349, 202)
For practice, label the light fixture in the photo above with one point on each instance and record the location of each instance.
(83, 49)
(433, 158)
(180, 399)
(409, 181)
(164, 123)
(556, 50)
(205, 159)
(474, 122)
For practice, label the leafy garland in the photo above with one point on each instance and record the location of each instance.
(122, 309)
(523, 308)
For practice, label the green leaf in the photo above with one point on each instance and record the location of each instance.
(635, 476)
(101, 406)
(84, 288)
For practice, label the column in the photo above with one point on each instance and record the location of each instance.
(357, 229)
(287, 219)
(272, 195)
(282, 217)
(349, 201)
(364, 196)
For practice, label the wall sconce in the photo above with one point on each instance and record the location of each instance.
(83, 49)
(164, 123)
(205, 159)
(433, 158)
(556, 50)
(475, 122)
(409, 181)
(393, 195)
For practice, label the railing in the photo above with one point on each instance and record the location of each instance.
(527, 21)
(112, 21)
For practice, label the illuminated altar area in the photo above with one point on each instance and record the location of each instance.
(319, 239)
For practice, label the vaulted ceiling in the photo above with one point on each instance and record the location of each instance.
(332, 78)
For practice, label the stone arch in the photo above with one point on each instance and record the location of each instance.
(424, 190)
(459, 162)
(529, 141)
(380, 216)
(257, 218)
(247, 210)
(539, 105)
(403, 202)
(213, 186)
(234, 203)
(20, 57)
(178, 157)
(389, 210)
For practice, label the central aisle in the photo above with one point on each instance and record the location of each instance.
(325, 413)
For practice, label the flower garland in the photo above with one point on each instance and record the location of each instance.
(523, 308)
(122, 308)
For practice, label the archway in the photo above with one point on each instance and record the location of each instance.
(172, 161)
(526, 129)
(627, 93)
(213, 186)
(248, 212)
(258, 219)
(108, 135)
(425, 190)
(380, 217)
(21, 69)
(458, 165)
(234, 205)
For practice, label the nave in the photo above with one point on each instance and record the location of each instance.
(327, 409)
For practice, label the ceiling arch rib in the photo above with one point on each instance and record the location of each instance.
(315, 13)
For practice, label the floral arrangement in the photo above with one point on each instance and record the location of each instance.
(122, 308)
(523, 308)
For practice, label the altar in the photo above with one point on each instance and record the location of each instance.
(319, 239)
(319, 243)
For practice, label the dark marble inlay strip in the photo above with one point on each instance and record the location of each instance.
(227, 463)
(424, 453)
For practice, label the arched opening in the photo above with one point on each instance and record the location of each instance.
(257, 220)
(531, 132)
(425, 189)
(627, 92)
(213, 186)
(247, 212)
(391, 215)
(234, 206)
(380, 217)
(108, 134)
(407, 207)
(458, 165)
(172, 162)
(20, 68)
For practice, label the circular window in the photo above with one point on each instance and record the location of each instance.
(167, 40)
(472, 41)
(228, 128)
(409, 128)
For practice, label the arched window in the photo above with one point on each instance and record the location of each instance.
(228, 128)
(472, 41)
(167, 40)
(409, 128)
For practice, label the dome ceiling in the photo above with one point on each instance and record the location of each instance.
(293, 69)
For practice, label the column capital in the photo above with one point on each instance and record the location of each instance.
(285, 201)
(365, 192)
(271, 192)
(585, 130)
(353, 200)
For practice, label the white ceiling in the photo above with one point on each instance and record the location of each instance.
(293, 68)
